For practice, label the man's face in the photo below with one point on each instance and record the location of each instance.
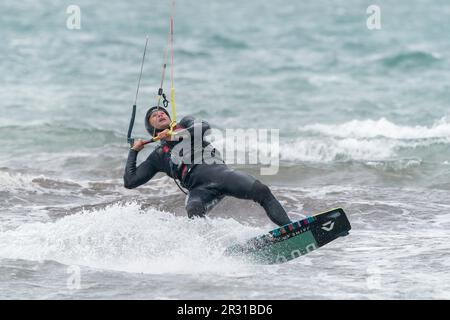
(159, 120)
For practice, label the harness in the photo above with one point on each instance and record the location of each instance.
(183, 168)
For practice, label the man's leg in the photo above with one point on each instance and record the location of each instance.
(241, 185)
(200, 201)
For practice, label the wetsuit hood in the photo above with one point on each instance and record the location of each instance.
(150, 129)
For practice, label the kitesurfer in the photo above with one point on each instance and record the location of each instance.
(207, 184)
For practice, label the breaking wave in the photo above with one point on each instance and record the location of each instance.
(127, 238)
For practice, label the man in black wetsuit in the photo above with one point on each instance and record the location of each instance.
(207, 183)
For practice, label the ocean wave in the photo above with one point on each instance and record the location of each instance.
(14, 182)
(349, 149)
(370, 141)
(189, 53)
(410, 59)
(126, 238)
(356, 140)
(331, 149)
(361, 129)
(227, 42)
(310, 149)
(395, 165)
(61, 135)
(17, 182)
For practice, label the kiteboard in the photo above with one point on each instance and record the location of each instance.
(295, 239)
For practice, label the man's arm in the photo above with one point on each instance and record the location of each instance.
(136, 176)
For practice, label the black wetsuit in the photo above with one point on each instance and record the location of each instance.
(207, 183)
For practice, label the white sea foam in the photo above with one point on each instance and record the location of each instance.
(127, 239)
(360, 140)
(363, 140)
(17, 181)
(330, 149)
(363, 129)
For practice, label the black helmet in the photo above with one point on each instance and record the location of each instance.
(150, 129)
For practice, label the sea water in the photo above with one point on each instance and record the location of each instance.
(363, 124)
